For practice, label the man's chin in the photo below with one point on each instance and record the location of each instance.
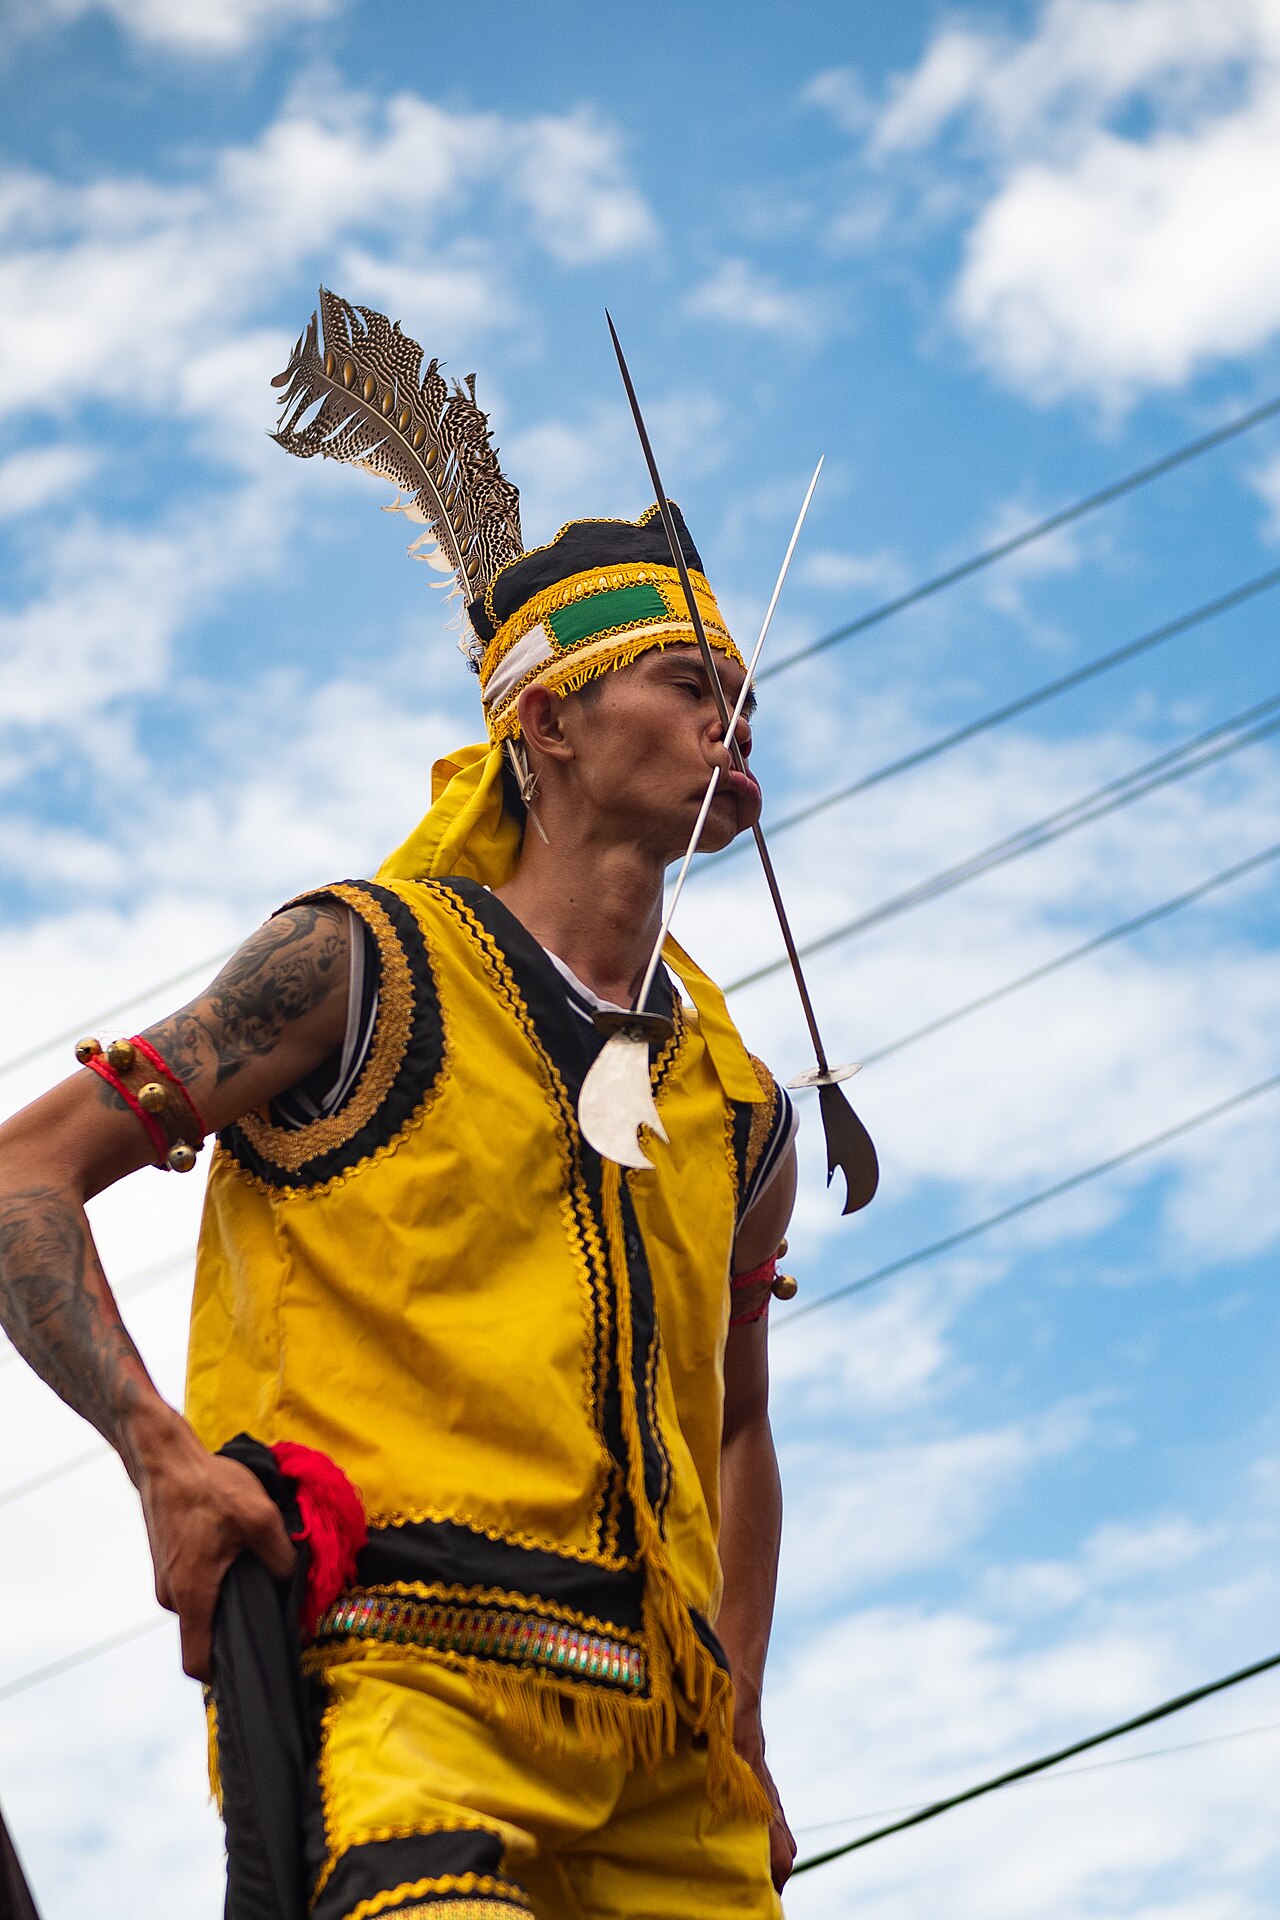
(731, 813)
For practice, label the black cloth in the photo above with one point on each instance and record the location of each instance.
(16, 1899)
(262, 1704)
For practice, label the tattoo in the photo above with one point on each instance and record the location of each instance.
(282, 972)
(57, 1309)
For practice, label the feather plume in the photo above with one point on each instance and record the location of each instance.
(360, 394)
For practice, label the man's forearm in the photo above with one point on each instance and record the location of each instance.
(59, 1312)
(750, 1534)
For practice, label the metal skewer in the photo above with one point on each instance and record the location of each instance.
(616, 1099)
(848, 1143)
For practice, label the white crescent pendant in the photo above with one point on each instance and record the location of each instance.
(617, 1100)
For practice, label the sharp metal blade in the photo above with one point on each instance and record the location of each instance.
(849, 1147)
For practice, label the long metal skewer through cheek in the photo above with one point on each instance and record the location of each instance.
(616, 1099)
(848, 1143)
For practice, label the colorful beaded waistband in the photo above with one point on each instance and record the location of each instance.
(523, 1639)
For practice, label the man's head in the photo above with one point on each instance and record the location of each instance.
(627, 759)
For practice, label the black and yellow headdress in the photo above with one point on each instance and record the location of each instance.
(593, 599)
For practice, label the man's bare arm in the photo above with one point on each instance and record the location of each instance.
(275, 1011)
(751, 1504)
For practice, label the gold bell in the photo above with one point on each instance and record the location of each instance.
(152, 1098)
(785, 1287)
(87, 1049)
(180, 1159)
(121, 1055)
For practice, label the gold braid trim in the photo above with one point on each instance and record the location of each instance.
(292, 1149)
(481, 1897)
(596, 580)
(762, 1119)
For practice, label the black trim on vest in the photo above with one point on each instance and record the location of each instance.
(742, 1114)
(573, 1046)
(413, 1076)
(380, 1866)
(427, 1552)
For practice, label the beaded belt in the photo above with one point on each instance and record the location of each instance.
(522, 1639)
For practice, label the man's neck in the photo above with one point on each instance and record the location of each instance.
(597, 908)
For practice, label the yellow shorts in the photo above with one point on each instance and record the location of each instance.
(429, 1809)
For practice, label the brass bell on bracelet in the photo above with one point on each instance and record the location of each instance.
(181, 1158)
(785, 1287)
(152, 1097)
(87, 1049)
(121, 1055)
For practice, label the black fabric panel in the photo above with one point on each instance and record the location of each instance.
(707, 1634)
(742, 1112)
(382, 1865)
(263, 1752)
(423, 1551)
(16, 1901)
(581, 545)
(644, 1338)
(414, 1077)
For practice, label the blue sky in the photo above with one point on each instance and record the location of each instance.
(983, 260)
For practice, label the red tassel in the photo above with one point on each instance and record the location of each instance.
(333, 1526)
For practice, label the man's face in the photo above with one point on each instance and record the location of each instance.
(644, 746)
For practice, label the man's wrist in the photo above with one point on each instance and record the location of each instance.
(152, 1436)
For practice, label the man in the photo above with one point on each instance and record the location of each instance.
(535, 1367)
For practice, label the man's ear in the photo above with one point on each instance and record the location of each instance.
(542, 722)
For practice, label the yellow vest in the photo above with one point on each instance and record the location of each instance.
(513, 1349)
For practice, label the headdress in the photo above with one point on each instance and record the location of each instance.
(593, 598)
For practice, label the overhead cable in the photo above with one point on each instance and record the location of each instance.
(905, 762)
(72, 1034)
(82, 1655)
(1024, 1772)
(998, 715)
(1128, 483)
(1176, 763)
(1060, 960)
(963, 1235)
(1068, 1773)
(130, 1288)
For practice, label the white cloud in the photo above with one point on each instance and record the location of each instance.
(196, 27)
(569, 173)
(1099, 259)
(42, 477)
(741, 295)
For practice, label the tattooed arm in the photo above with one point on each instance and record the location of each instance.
(277, 1009)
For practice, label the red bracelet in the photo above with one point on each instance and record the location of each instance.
(162, 1067)
(98, 1063)
(763, 1273)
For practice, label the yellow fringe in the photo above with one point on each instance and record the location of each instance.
(566, 677)
(211, 1732)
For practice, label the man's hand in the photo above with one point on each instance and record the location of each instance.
(202, 1511)
(749, 1741)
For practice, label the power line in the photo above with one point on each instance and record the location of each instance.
(53, 1474)
(137, 1283)
(1126, 927)
(1177, 763)
(1069, 1773)
(963, 1234)
(1024, 1772)
(998, 715)
(72, 1034)
(917, 757)
(1129, 483)
(82, 1655)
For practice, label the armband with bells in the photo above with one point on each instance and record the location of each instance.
(153, 1093)
(781, 1286)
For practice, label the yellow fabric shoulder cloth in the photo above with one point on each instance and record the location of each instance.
(513, 1349)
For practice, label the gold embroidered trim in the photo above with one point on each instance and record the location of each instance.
(487, 1896)
(292, 1149)
(596, 580)
(762, 1119)
(522, 1636)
